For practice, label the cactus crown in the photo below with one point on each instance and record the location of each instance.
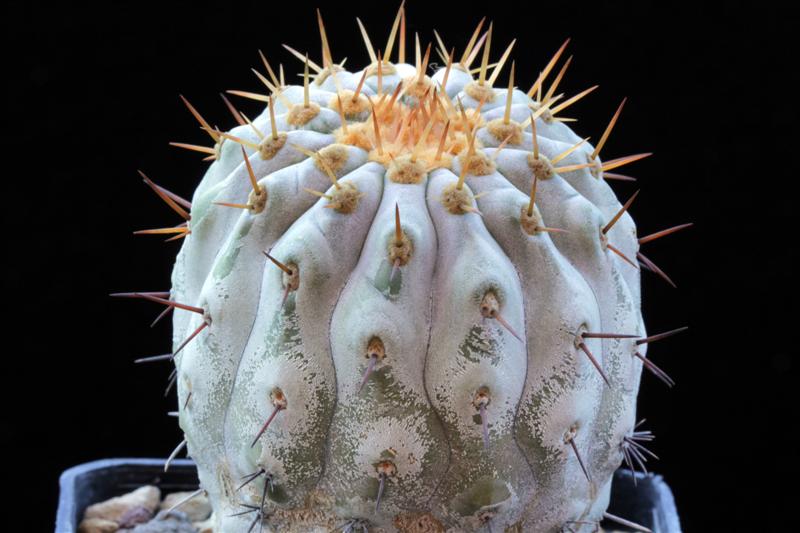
(408, 302)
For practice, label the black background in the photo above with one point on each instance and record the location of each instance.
(94, 96)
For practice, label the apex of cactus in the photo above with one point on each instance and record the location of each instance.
(408, 302)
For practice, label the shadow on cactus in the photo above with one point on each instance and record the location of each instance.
(407, 302)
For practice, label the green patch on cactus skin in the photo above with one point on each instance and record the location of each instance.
(289, 305)
(485, 492)
(385, 397)
(388, 287)
(228, 258)
(529, 433)
(310, 450)
(478, 344)
(362, 487)
(277, 494)
(606, 454)
(303, 460)
(252, 454)
(178, 277)
(201, 205)
(284, 332)
(383, 389)
(478, 478)
(368, 488)
(381, 386)
(386, 455)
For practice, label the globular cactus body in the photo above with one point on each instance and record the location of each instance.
(421, 319)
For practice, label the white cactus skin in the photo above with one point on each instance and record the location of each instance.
(482, 317)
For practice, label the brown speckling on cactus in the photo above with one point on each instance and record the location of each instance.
(408, 302)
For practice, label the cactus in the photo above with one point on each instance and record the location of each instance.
(408, 302)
